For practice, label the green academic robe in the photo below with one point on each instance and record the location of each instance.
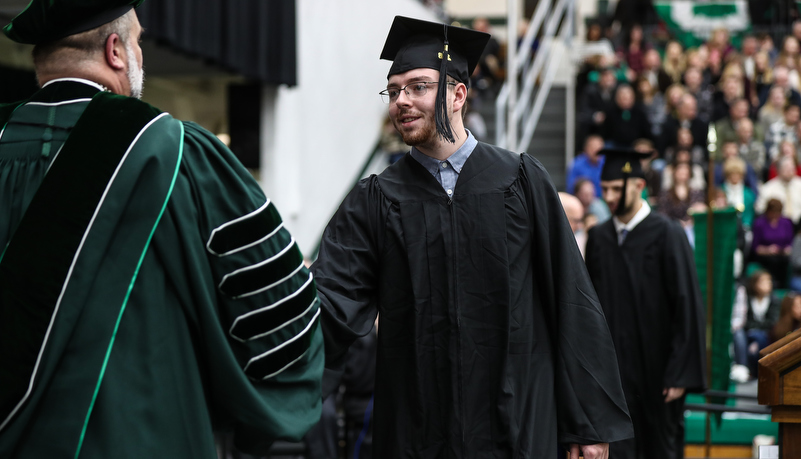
(183, 306)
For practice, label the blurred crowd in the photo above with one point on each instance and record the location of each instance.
(722, 122)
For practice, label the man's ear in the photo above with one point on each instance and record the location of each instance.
(114, 52)
(460, 93)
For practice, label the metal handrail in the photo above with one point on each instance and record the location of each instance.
(530, 72)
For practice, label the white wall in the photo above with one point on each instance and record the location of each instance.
(316, 136)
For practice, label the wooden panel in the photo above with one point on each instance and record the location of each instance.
(780, 343)
(783, 413)
(791, 387)
(718, 451)
(769, 387)
(784, 357)
(790, 441)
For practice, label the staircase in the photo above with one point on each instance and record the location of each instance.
(548, 144)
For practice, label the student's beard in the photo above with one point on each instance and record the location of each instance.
(423, 135)
(136, 74)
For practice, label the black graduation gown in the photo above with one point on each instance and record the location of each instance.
(491, 340)
(649, 291)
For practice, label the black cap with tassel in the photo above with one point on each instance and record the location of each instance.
(454, 51)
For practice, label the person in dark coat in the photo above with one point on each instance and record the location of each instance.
(686, 117)
(643, 270)
(492, 342)
(626, 122)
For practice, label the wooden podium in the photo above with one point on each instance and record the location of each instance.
(780, 387)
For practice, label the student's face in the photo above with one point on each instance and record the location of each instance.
(414, 117)
(612, 190)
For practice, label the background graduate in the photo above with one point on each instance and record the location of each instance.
(492, 342)
(642, 267)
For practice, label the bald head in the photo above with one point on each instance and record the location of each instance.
(573, 209)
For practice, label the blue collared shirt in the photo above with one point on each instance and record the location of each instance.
(447, 172)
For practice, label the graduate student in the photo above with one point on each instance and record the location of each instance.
(643, 270)
(148, 290)
(492, 342)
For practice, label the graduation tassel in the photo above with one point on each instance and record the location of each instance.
(441, 107)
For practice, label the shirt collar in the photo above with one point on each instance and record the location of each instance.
(77, 80)
(638, 217)
(456, 160)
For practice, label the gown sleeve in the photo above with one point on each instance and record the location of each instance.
(685, 363)
(259, 318)
(591, 407)
(346, 272)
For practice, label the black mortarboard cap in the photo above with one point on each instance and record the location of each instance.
(455, 51)
(622, 164)
(48, 20)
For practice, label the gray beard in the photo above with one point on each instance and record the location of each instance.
(136, 74)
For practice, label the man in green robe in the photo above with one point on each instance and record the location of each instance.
(149, 292)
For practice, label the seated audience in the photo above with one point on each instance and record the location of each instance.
(781, 79)
(729, 150)
(749, 148)
(786, 150)
(754, 313)
(786, 188)
(773, 110)
(795, 263)
(676, 201)
(686, 117)
(789, 317)
(737, 194)
(697, 179)
(585, 192)
(587, 164)
(772, 242)
(782, 130)
(598, 99)
(704, 94)
(626, 122)
(653, 103)
(726, 128)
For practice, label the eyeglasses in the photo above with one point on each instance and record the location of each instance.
(413, 91)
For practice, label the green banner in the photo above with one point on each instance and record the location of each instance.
(719, 331)
(692, 23)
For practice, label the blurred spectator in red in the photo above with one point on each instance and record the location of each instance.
(675, 63)
(772, 242)
(693, 82)
(719, 46)
(786, 188)
(787, 149)
(626, 122)
(773, 110)
(653, 103)
(634, 48)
